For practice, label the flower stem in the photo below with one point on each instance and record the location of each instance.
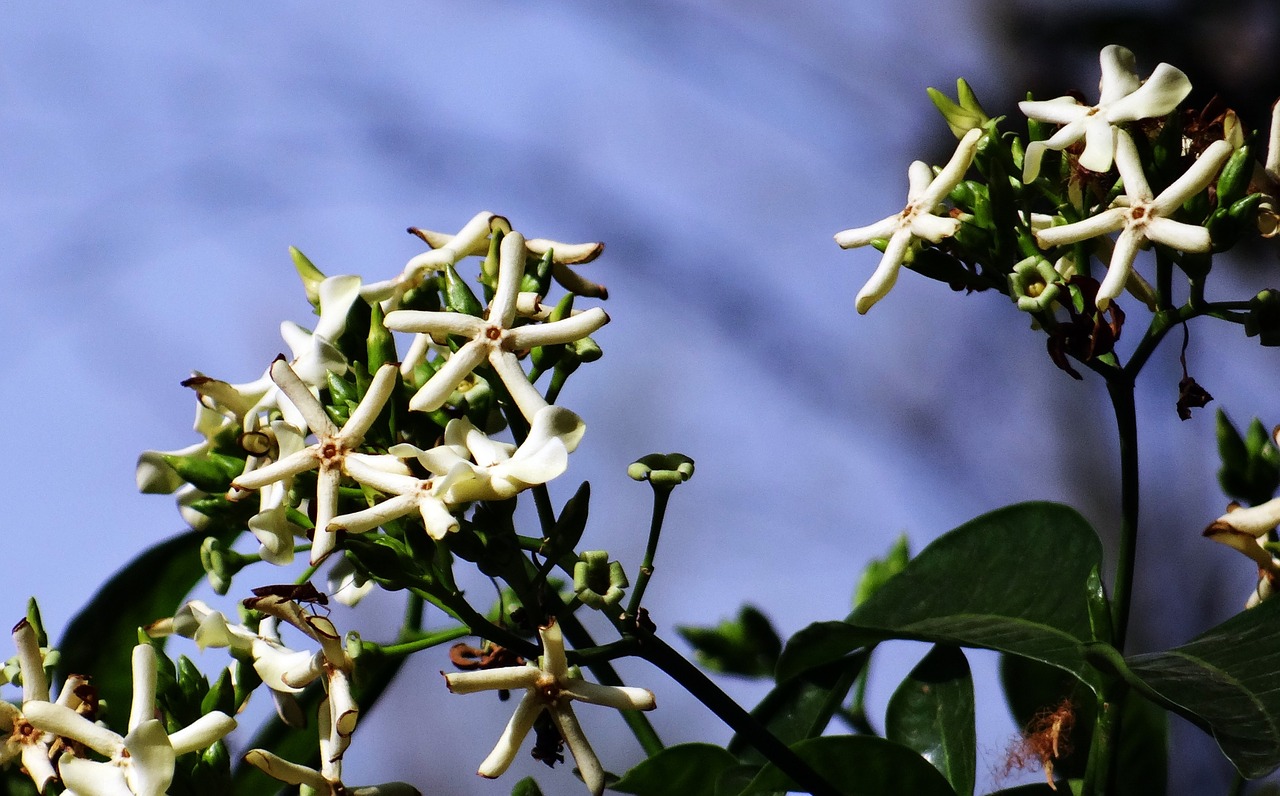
(660, 497)
(1121, 392)
(425, 641)
(660, 654)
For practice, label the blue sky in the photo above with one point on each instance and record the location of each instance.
(157, 160)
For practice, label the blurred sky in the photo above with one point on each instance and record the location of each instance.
(156, 161)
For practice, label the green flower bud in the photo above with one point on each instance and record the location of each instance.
(221, 696)
(458, 297)
(212, 472)
(662, 469)
(1034, 285)
(220, 563)
(1264, 318)
(380, 346)
(963, 116)
(1233, 181)
(311, 276)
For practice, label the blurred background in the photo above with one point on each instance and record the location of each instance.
(157, 160)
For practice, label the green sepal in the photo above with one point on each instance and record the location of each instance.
(1228, 224)
(342, 391)
(36, 622)
(963, 116)
(310, 275)
(665, 470)
(1099, 607)
(746, 646)
(211, 472)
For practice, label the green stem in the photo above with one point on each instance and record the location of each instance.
(1121, 392)
(657, 652)
(423, 642)
(660, 497)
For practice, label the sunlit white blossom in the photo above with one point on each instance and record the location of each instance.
(917, 220)
(1142, 217)
(549, 686)
(1124, 97)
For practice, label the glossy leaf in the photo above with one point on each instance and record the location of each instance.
(880, 570)
(526, 787)
(690, 768)
(99, 641)
(858, 765)
(1224, 681)
(802, 707)
(1014, 580)
(932, 712)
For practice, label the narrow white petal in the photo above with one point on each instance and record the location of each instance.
(513, 735)
(143, 707)
(1160, 95)
(370, 406)
(91, 778)
(954, 171)
(303, 460)
(1119, 77)
(934, 228)
(1195, 179)
(202, 732)
(566, 253)
(1272, 166)
(1060, 110)
(863, 236)
(553, 660)
(437, 324)
(511, 256)
(376, 515)
(1101, 224)
(35, 685)
(1099, 144)
(1122, 257)
(1256, 520)
(506, 678)
(588, 764)
(617, 697)
(337, 294)
(525, 395)
(575, 327)
(300, 396)
(290, 773)
(436, 518)
(441, 385)
(878, 286)
(1177, 235)
(556, 422)
(919, 175)
(62, 720)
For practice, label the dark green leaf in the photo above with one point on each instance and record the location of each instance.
(858, 765)
(1034, 690)
(1142, 765)
(14, 783)
(1224, 681)
(1038, 789)
(748, 646)
(802, 707)
(932, 712)
(689, 769)
(735, 779)
(99, 641)
(1014, 580)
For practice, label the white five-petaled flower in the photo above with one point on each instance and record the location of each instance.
(19, 739)
(291, 672)
(1124, 97)
(495, 338)
(1142, 217)
(329, 453)
(550, 687)
(925, 193)
(328, 780)
(142, 761)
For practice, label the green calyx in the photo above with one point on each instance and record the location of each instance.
(662, 469)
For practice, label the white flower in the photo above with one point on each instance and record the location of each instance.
(290, 671)
(1123, 98)
(550, 687)
(142, 761)
(925, 193)
(449, 249)
(409, 494)
(326, 781)
(496, 339)
(1142, 218)
(330, 451)
(19, 739)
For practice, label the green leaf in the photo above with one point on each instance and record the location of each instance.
(99, 641)
(1034, 690)
(932, 712)
(1224, 681)
(880, 570)
(802, 707)
(689, 769)
(1015, 580)
(858, 765)
(526, 787)
(748, 646)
